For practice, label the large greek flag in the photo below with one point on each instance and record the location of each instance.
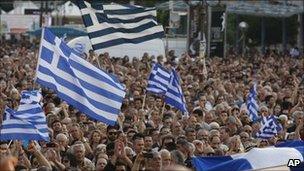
(158, 80)
(121, 27)
(270, 127)
(255, 159)
(252, 105)
(79, 83)
(27, 123)
(174, 95)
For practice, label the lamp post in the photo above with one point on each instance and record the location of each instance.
(243, 27)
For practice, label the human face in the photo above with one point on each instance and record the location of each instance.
(139, 145)
(120, 168)
(264, 112)
(96, 137)
(57, 127)
(202, 101)
(166, 159)
(63, 141)
(112, 134)
(167, 122)
(101, 164)
(177, 127)
(3, 149)
(215, 143)
(79, 153)
(199, 148)
(248, 130)
(244, 136)
(74, 131)
(191, 136)
(155, 163)
(203, 135)
(82, 117)
(148, 142)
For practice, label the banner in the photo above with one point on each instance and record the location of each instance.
(218, 23)
(196, 17)
(14, 23)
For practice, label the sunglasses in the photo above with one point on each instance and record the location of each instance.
(112, 133)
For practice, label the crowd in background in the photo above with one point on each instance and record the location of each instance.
(150, 135)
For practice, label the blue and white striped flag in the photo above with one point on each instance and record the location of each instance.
(123, 27)
(28, 97)
(174, 95)
(27, 123)
(158, 80)
(269, 158)
(270, 127)
(252, 105)
(76, 81)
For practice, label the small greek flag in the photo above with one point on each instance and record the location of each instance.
(252, 105)
(158, 80)
(174, 95)
(270, 127)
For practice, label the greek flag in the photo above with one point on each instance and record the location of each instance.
(28, 97)
(252, 105)
(258, 158)
(123, 27)
(270, 127)
(158, 79)
(76, 81)
(174, 95)
(27, 123)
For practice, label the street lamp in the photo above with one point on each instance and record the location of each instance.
(243, 27)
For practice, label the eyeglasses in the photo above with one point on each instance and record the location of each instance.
(248, 131)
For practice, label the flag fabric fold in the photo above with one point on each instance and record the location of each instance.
(257, 158)
(252, 104)
(28, 122)
(158, 79)
(119, 26)
(82, 85)
(270, 127)
(174, 95)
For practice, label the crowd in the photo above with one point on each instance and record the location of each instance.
(150, 135)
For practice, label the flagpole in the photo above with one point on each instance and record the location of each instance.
(9, 144)
(163, 109)
(39, 53)
(144, 101)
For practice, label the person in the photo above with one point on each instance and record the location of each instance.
(81, 162)
(166, 158)
(218, 122)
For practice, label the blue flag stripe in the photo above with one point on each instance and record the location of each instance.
(137, 40)
(111, 30)
(77, 90)
(102, 18)
(74, 102)
(114, 25)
